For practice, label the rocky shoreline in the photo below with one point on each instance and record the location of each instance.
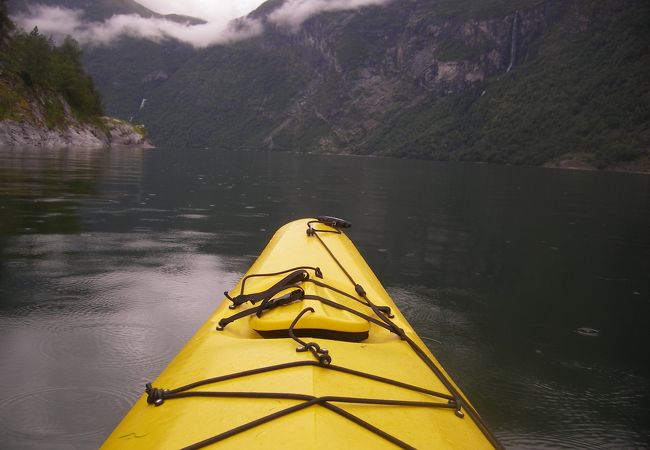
(111, 133)
(585, 161)
(31, 124)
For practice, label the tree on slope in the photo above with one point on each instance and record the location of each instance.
(6, 25)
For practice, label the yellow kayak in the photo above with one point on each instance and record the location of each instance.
(307, 351)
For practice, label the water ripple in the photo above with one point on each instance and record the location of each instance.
(36, 415)
(110, 346)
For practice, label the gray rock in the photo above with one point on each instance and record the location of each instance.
(32, 129)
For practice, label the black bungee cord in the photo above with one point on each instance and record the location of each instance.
(299, 275)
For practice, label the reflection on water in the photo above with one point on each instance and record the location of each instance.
(87, 320)
(42, 194)
(110, 260)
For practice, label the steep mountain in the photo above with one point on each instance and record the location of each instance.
(333, 84)
(518, 81)
(512, 81)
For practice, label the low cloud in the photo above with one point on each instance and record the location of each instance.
(61, 22)
(208, 10)
(293, 13)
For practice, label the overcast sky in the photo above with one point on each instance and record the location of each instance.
(210, 10)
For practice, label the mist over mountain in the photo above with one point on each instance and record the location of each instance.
(515, 81)
(96, 10)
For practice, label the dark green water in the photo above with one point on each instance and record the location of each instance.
(109, 261)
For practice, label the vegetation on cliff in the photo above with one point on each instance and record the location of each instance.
(584, 92)
(32, 66)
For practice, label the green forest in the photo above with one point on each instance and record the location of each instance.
(33, 66)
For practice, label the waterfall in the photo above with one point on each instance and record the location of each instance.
(144, 100)
(513, 42)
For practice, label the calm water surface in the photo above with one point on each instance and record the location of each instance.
(109, 261)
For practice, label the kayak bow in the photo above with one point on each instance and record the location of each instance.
(307, 351)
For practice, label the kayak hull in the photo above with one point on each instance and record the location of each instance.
(311, 404)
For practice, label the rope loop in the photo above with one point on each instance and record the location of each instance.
(322, 354)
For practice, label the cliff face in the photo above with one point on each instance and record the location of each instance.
(381, 60)
(413, 43)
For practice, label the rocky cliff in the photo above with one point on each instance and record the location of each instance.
(111, 133)
(44, 119)
(380, 60)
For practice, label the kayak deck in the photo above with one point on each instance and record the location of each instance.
(307, 351)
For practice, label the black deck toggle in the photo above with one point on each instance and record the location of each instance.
(334, 221)
(155, 396)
